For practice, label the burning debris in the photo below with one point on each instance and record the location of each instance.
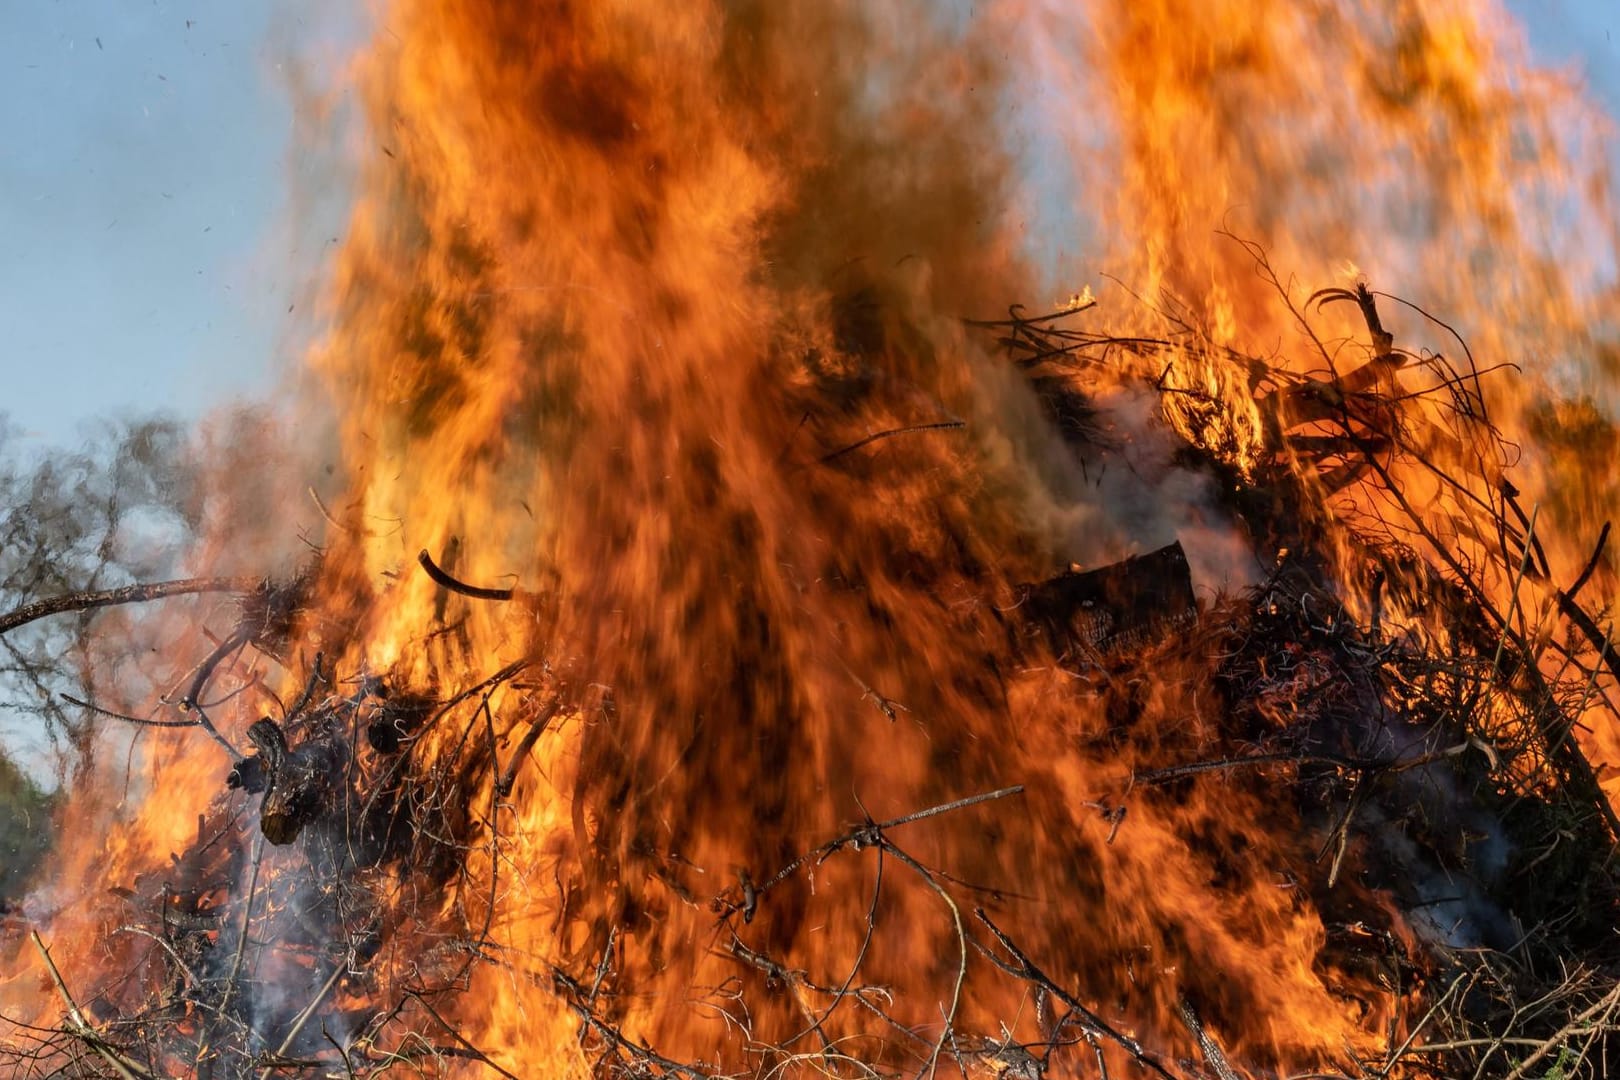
(797, 679)
(1460, 860)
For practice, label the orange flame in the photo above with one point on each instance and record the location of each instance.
(653, 312)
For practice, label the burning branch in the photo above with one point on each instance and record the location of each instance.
(414, 852)
(871, 834)
(125, 1068)
(577, 999)
(1025, 968)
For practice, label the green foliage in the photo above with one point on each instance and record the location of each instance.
(1560, 1069)
(25, 818)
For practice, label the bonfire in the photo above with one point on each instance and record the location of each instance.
(731, 641)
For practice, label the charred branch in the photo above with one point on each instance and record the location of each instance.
(140, 721)
(1214, 1056)
(233, 643)
(445, 581)
(297, 783)
(1591, 564)
(537, 727)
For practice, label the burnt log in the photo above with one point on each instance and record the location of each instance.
(298, 783)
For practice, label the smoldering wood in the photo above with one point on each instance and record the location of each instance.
(298, 783)
(304, 783)
(395, 718)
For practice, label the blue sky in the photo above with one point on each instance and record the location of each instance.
(147, 258)
(147, 253)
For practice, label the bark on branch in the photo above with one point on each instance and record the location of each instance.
(128, 594)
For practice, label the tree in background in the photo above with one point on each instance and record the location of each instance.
(117, 512)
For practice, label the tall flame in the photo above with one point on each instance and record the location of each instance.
(653, 311)
(1415, 143)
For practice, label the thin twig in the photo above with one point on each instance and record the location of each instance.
(940, 425)
(142, 721)
(945, 1034)
(1608, 1001)
(236, 640)
(302, 1018)
(247, 919)
(1088, 1020)
(945, 808)
(871, 832)
(573, 995)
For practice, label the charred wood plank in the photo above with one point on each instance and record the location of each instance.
(1114, 608)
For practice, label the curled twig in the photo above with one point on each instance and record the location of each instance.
(444, 580)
